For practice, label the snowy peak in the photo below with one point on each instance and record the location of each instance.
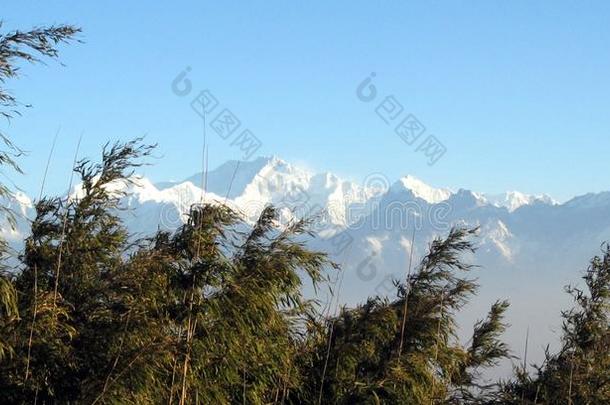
(513, 200)
(270, 179)
(510, 200)
(421, 190)
(231, 178)
(465, 199)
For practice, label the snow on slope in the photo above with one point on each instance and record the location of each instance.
(23, 210)
(295, 191)
(512, 200)
(424, 191)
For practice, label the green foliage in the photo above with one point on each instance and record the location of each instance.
(213, 313)
(17, 47)
(358, 356)
(579, 373)
(209, 313)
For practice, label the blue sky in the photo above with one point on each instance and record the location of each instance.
(518, 92)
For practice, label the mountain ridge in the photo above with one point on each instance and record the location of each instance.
(529, 246)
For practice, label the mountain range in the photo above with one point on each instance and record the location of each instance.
(530, 246)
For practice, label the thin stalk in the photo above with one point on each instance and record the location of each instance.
(330, 338)
(186, 359)
(204, 180)
(27, 365)
(332, 327)
(190, 331)
(438, 332)
(527, 336)
(34, 315)
(232, 180)
(65, 222)
(571, 377)
(404, 310)
(171, 392)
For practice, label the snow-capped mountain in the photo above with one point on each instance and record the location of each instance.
(22, 209)
(250, 186)
(422, 190)
(530, 246)
(512, 200)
